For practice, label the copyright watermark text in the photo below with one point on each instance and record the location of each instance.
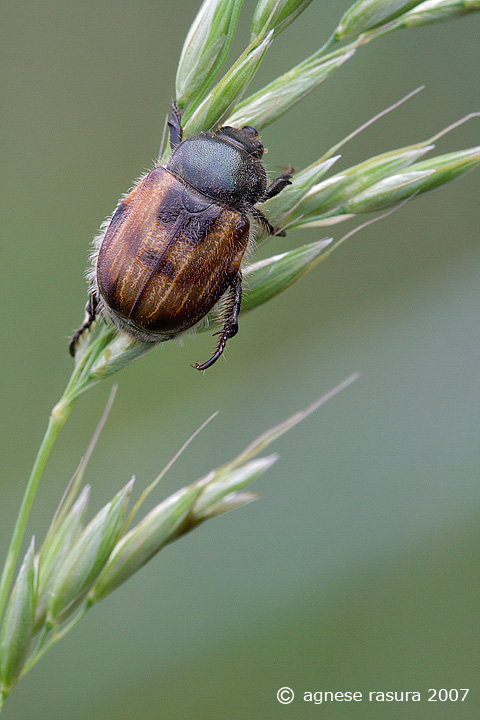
(286, 695)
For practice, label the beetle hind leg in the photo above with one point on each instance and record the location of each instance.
(90, 315)
(230, 327)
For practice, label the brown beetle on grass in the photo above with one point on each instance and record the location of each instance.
(174, 245)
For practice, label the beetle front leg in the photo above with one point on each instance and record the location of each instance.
(230, 326)
(277, 185)
(90, 315)
(175, 127)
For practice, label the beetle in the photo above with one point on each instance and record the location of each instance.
(175, 243)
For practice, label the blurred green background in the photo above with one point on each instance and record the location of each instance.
(358, 568)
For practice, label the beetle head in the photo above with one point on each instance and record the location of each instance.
(245, 138)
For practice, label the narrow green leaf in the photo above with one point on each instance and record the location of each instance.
(276, 15)
(225, 482)
(143, 542)
(53, 552)
(206, 47)
(331, 194)
(267, 278)
(433, 11)
(421, 177)
(228, 90)
(230, 502)
(273, 100)
(87, 557)
(17, 626)
(302, 182)
(368, 14)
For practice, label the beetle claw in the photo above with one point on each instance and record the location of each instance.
(209, 363)
(226, 334)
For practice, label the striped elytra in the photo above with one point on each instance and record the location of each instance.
(167, 257)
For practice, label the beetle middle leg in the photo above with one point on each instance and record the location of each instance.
(175, 127)
(90, 315)
(230, 326)
(275, 187)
